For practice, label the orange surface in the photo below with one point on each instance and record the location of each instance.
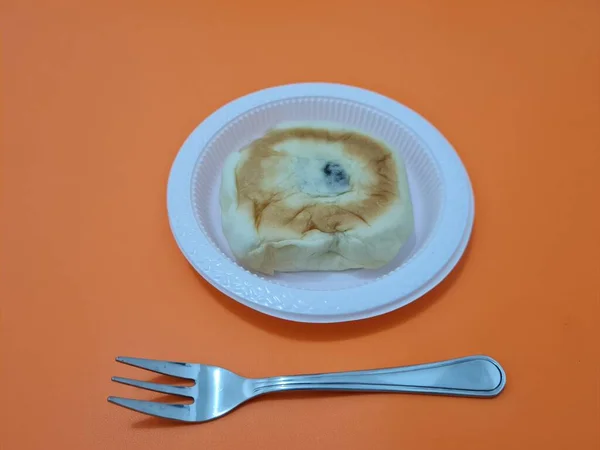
(97, 98)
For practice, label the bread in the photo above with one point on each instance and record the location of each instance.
(315, 196)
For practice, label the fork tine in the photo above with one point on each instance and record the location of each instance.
(165, 410)
(175, 369)
(156, 387)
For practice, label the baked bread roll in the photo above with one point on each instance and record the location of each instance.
(315, 196)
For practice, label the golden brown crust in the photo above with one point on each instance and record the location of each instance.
(269, 206)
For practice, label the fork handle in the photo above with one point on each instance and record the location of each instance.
(473, 376)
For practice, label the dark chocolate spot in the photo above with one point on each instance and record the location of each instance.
(335, 174)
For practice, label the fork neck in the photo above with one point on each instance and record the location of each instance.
(277, 384)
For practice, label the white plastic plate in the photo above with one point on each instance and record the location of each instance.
(440, 190)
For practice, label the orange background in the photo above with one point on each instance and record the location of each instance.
(97, 97)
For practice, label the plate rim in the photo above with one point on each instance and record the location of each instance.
(290, 303)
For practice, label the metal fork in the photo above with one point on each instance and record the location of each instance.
(217, 391)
